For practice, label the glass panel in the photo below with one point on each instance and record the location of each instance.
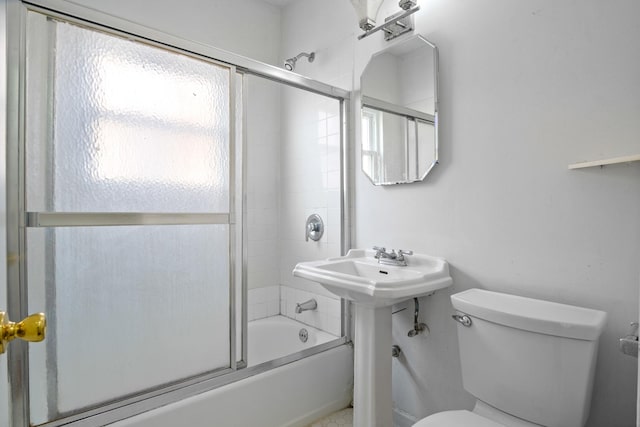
(123, 304)
(293, 170)
(124, 101)
(239, 207)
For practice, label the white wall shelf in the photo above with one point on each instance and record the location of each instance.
(603, 162)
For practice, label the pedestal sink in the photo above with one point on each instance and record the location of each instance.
(374, 288)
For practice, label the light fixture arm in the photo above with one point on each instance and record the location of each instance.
(389, 23)
(367, 11)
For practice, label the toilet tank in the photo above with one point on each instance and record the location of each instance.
(530, 358)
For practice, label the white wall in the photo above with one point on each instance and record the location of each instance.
(526, 88)
(247, 27)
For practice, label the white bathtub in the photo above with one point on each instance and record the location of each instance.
(292, 395)
(277, 336)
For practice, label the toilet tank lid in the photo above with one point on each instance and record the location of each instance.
(530, 314)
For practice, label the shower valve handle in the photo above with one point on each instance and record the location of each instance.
(314, 228)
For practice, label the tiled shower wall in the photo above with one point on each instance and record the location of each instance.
(293, 152)
(325, 317)
(273, 300)
(310, 165)
(311, 157)
(263, 175)
(294, 171)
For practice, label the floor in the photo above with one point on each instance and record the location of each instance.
(343, 418)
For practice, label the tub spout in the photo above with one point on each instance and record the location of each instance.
(307, 305)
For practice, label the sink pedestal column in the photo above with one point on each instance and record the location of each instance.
(372, 403)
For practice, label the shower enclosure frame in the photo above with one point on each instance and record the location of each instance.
(12, 32)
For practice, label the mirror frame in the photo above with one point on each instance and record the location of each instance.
(387, 107)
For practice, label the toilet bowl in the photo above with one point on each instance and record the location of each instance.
(456, 419)
(528, 362)
(482, 416)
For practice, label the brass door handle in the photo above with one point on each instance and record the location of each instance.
(31, 329)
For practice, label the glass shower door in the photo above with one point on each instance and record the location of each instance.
(129, 206)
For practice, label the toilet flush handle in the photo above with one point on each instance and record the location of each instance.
(463, 319)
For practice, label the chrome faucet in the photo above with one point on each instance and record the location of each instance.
(381, 252)
(312, 304)
(392, 258)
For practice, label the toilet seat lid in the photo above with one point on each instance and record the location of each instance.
(456, 419)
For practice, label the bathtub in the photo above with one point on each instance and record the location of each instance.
(291, 395)
(277, 336)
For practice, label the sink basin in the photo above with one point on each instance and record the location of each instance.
(360, 278)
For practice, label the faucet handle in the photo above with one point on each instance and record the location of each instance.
(379, 250)
(402, 253)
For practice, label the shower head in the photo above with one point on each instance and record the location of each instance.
(290, 64)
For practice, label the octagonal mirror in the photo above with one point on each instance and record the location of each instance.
(400, 113)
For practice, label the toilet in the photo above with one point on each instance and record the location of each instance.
(527, 362)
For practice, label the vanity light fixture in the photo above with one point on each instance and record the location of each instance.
(367, 11)
(394, 25)
(407, 4)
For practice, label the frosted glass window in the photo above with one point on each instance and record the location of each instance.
(133, 128)
(115, 125)
(124, 305)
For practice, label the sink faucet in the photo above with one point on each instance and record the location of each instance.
(391, 258)
(381, 253)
